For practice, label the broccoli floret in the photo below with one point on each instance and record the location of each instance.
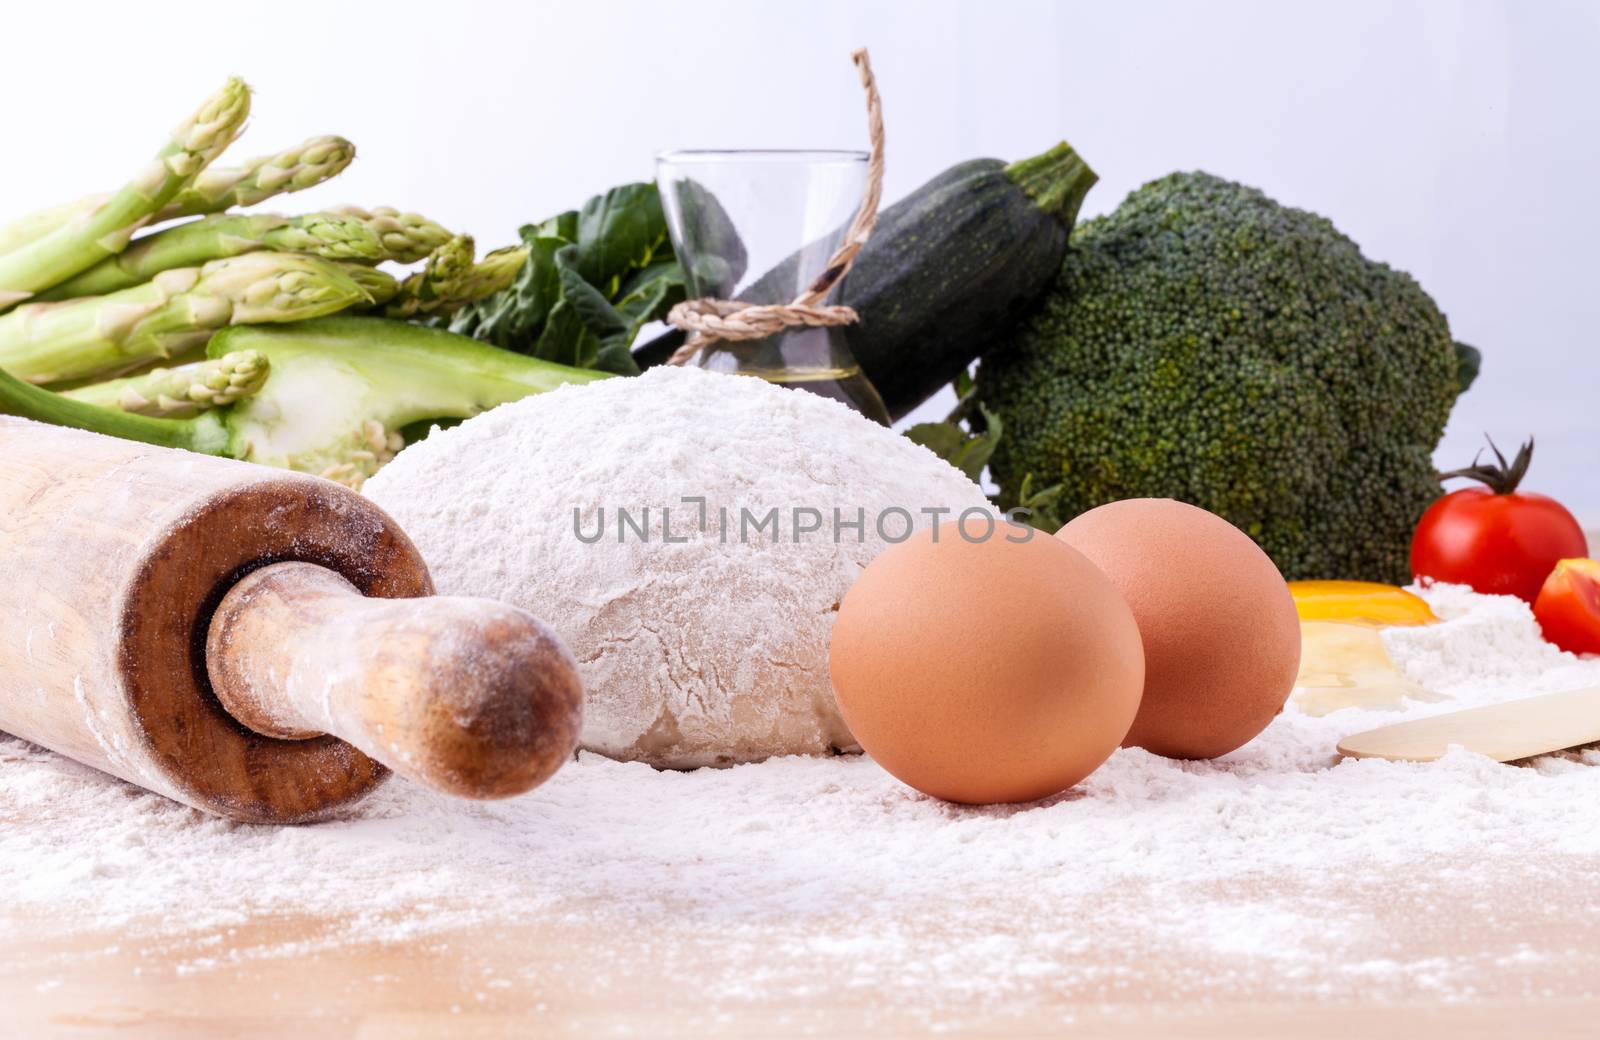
(1207, 344)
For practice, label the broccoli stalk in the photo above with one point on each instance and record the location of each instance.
(342, 389)
(339, 393)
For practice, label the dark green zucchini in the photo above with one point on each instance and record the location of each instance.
(948, 271)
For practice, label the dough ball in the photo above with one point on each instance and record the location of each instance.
(660, 525)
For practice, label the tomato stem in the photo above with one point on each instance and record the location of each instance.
(1500, 476)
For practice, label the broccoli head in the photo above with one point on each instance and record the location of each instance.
(1207, 344)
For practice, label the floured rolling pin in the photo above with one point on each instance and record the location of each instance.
(252, 642)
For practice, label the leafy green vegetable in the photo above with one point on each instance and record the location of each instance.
(967, 439)
(594, 276)
(968, 451)
(720, 256)
(1038, 507)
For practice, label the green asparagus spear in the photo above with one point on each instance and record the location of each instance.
(496, 271)
(175, 312)
(205, 433)
(214, 190)
(407, 237)
(104, 231)
(23, 230)
(379, 284)
(182, 391)
(307, 164)
(446, 267)
(451, 280)
(212, 238)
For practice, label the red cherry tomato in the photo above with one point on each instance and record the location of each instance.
(1495, 538)
(1568, 607)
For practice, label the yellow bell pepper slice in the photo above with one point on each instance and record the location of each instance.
(1359, 602)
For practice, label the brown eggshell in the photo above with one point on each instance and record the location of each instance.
(1221, 636)
(992, 670)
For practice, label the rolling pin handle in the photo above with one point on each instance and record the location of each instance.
(471, 697)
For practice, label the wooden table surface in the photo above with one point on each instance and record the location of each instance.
(597, 975)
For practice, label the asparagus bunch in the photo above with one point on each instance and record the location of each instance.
(129, 336)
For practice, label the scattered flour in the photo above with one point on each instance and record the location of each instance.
(1278, 868)
(702, 632)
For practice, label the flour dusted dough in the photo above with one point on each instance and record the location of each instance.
(706, 652)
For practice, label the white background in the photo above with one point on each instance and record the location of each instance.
(1455, 140)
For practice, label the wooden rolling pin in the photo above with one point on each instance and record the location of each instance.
(253, 642)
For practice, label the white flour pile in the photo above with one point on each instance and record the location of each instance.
(701, 629)
(1277, 869)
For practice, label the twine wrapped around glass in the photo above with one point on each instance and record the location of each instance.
(733, 214)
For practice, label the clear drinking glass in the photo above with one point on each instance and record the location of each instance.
(759, 226)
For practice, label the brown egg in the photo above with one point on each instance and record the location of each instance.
(998, 669)
(1221, 636)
